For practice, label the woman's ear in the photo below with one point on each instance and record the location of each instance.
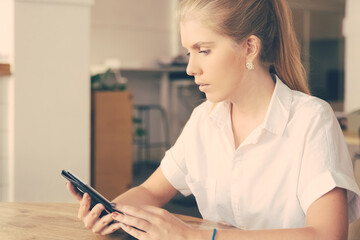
(253, 46)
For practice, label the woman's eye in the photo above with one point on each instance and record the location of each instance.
(206, 52)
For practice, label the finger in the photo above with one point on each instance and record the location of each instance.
(160, 215)
(132, 221)
(111, 228)
(103, 224)
(93, 216)
(136, 233)
(85, 204)
(155, 210)
(134, 211)
(73, 190)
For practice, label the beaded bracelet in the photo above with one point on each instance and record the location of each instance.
(214, 233)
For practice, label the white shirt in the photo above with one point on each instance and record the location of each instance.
(297, 155)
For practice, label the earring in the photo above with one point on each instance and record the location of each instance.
(250, 66)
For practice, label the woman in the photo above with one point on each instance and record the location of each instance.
(260, 154)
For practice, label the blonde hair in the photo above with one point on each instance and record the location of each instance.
(269, 20)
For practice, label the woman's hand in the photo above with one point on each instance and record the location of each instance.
(151, 223)
(91, 217)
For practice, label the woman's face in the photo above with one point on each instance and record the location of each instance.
(215, 61)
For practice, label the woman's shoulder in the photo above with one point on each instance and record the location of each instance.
(310, 106)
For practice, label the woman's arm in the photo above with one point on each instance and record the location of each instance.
(326, 219)
(155, 191)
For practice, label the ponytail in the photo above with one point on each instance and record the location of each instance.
(287, 63)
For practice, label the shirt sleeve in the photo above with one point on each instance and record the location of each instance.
(326, 163)
(173, 165)
(174, 170)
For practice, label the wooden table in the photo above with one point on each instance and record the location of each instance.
(58, 221)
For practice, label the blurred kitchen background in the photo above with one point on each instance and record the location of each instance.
(98, 87)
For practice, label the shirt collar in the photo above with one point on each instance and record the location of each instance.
(278, 111)
(277, 114)
(220, 113)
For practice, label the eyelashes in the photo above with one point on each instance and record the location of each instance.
(205, 52)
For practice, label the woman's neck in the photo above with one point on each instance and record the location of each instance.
(253, 100)
(248, 109)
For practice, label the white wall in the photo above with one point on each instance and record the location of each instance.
(6, 56)
(136, 32)
(352, 56)
(52, 90)
(7, 31)
(4, 136)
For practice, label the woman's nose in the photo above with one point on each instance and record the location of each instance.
(192, 69)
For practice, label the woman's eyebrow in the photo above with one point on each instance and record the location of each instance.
(201, 43)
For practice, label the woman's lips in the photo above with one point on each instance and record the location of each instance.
(203, 87)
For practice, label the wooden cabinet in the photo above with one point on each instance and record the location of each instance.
(111, 140)
(5, 69)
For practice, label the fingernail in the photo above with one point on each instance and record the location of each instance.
(115, 214)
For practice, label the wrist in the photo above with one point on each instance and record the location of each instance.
(199, 234)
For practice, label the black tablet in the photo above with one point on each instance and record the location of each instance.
(95, 196)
